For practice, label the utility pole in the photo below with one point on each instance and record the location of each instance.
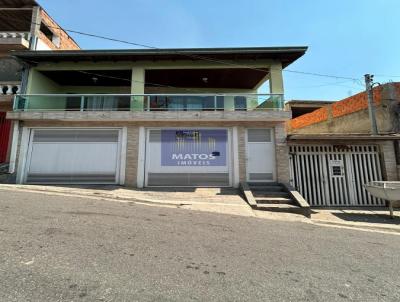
(369, 78)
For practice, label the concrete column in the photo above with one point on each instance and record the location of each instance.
(389, 161)
(242, 153)
(35, 27)
(137, 87)
(276, 78)
(14, 146)
(132, 153)
(281, 154)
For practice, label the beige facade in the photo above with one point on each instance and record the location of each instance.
(135, 90)
(133, 141)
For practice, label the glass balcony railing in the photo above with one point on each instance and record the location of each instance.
(148, 102)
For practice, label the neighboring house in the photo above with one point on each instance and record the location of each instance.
(333, 154)
(301, 107)
(165, 117)
(24, 25)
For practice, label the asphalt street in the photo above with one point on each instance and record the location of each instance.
(57, 248)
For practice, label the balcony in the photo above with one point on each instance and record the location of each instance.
(16, 40)
(7, 92)
(150, 107)
(9, 87)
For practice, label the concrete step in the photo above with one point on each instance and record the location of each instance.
(273, 200)
(267, 188)
(4, 168)
(7, 178)
(281, 208)
(262, 184)
(270, 194)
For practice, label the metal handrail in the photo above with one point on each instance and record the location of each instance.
(258, 97)
(150, 94)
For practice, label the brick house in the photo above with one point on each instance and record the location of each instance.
(24, 25)
(164, 117)
(333, 154)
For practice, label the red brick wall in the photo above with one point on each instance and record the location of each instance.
(355, 103)
(66, 42)
(346, 106)
(316, 116)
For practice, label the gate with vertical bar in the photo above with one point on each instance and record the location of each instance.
(329, 176)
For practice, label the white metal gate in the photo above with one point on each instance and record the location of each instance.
(328, 175)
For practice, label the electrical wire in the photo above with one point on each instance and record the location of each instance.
(197, 56)
(327, 84)
(387, 76)
(150, 83)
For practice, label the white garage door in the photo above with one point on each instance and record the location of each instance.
(188, 157)
(74, 156)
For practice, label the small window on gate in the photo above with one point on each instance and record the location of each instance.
(259, 136)
(337, 168)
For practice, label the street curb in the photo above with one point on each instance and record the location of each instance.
(94, 196)
(101, 196)
(110, 197)
(352, 225)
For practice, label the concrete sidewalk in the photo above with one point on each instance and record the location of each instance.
(366, 218)
(219, 200)
(222, 201)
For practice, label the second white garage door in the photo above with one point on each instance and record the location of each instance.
(74, 156)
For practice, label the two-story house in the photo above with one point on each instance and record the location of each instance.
(24, 25)
(159, 117)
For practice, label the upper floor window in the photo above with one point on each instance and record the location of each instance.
(55, 39)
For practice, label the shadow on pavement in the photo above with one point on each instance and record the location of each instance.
(368, 217)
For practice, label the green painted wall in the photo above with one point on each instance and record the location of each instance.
(38, 83)
(137, 87)
(95, 89)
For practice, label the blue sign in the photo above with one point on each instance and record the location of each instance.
(193, 147)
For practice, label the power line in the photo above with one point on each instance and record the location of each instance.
(134, 81)
(327, 84)
(197, 56)
(322, 75)
(260, 100)
(128, 80)
(387, 76)
(210, 59)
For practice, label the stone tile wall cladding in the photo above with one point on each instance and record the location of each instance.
(389, 160)
(282, 155)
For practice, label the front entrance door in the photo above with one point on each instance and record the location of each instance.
(260, 157)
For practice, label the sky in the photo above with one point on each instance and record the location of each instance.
(345, 38)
